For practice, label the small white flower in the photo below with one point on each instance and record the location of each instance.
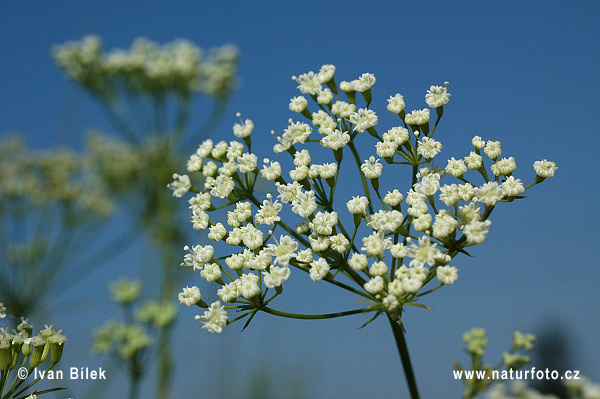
(437, 96)
(229, 168)
(417, 209)
(199, 219)
(467, 214)
(328, 170)
(357, 205)
(393, 198)
(474, 161)
(200, 201)
(296, 133)
(423, 222)
(298, 104)
(395, 287)
(418, 117)
(385, 220)
(248, 285)
(303, 227)
(223, 186)
(477, 231)
(319, 243)
(364, 82)
(386, 148)
(390, 302)
(428, 185)
(228, 292)
(411, 285)
(288, 192)
(189, 296)
(371, 168)
(335, 140)
(374, 285)
(339, 243)
(305, 256)
(378, 269)
(343, 109)
(276, 276)
(396, 104)
(271, 170)
(247, 163)
(308, 83)
(269, 211)
(512, 187)
(376, 243)
(398, 135)
(216, 232)
(364, 119)
(210, 169)
(489, 193)
(214, 318)
(449, 194)
(544, 168)
(478, 143)
(493, 149)
(205, 148)
(194, 164)
(444, 224)
(423, 253)
(504, 166)
(234, 150)
(284, 250)
(305, 204)
(318, 269)
(326, 73)
(252, 237)
(235, 262)
(325, 96)
(429, 147)
(211, 272)
(180, 185)
(242, 131)
(324, 222)
(219, 150)
(399, 250)
(455, 167)
(447, 274)
(358, 262)
(466, 191)
(302, 158)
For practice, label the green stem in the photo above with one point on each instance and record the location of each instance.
(405, 358)
(314, 316)
(362, 176)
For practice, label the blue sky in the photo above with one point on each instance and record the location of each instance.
(524, 73)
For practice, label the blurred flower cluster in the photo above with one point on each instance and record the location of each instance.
(16, 348)
(480, 375)
(389, 241)
(149, 94)
(580, 388)
(48, 202)
(179, 66)
(130, 342)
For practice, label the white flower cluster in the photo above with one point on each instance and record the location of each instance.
(392, 250)
(179, 66)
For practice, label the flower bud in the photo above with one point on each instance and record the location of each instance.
(5, 354)
(56, 344)
(38, 348)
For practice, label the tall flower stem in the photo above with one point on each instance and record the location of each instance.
(405, 358)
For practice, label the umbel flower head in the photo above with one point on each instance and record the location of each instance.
(389, 247)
